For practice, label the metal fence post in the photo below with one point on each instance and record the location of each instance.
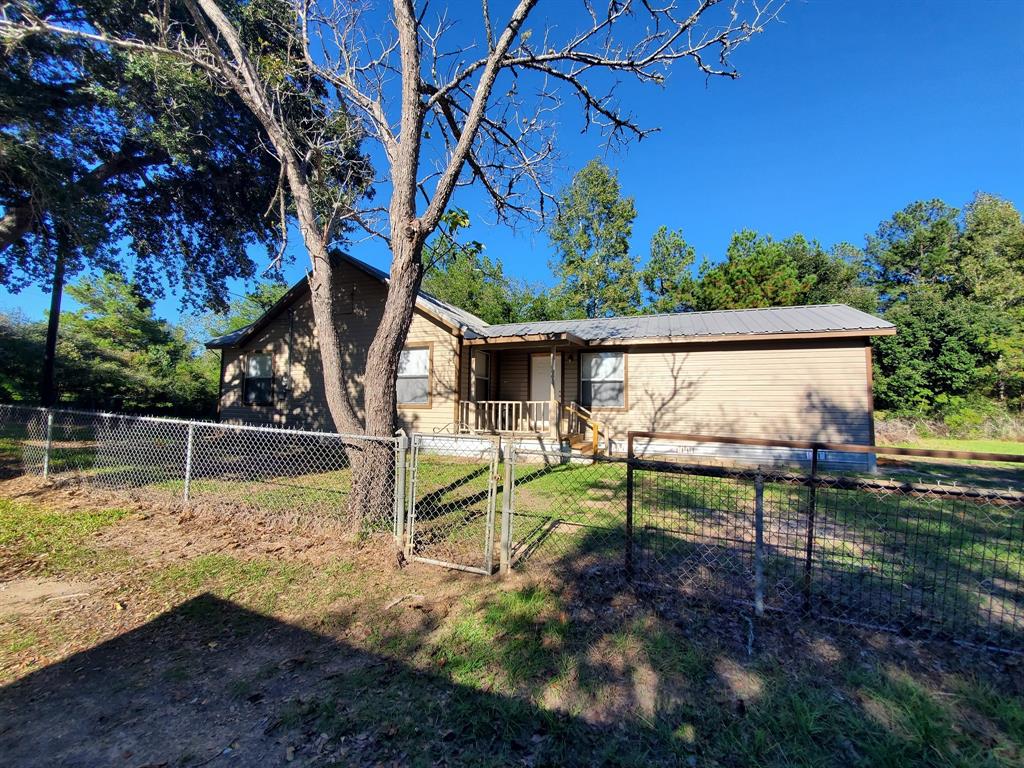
(49, 443)
(400, 450)
(507, 506)
(188, 458)
(759, 545)
(629, 506)
(812, 504)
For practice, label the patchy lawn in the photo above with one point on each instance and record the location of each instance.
(190, 639)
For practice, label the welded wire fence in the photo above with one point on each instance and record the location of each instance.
(929, 546)
(927, 558)
(352, 480)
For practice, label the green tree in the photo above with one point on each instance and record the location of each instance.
(942, 351)
(990, 251)
(916, 246)
(107, 152)
(590, 234)
(757, 272)
(114, 353)
(667, 278)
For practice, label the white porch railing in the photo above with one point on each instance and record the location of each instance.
(506, 415)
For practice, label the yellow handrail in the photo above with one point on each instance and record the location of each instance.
(595, 426)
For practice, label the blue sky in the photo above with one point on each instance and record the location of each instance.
(845, 112)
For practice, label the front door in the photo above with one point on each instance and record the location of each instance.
(540, 377)
(540, 391)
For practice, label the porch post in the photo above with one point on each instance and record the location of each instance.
(555, 396)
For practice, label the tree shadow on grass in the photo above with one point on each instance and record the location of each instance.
(210, 682)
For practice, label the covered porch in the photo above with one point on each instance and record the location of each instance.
(525, 388)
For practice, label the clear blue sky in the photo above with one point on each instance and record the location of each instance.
(845, 112)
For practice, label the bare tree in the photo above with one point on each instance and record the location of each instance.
(449, 102)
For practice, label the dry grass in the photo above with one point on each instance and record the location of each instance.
(203, 637)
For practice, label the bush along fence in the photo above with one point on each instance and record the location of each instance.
(924, 549)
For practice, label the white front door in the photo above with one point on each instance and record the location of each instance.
(540, 376)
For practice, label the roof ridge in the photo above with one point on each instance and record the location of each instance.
(689, 313)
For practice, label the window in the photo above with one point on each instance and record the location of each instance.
(259, 379)
(482, 376)
(414, 377)
(602, 379)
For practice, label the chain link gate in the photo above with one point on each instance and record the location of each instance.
(453, 485)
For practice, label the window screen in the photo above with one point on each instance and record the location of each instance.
(259, 379)
(602, 379)
(414, 377)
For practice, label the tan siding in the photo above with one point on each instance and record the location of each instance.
(305, 404)
(272, 339)
(785, 390)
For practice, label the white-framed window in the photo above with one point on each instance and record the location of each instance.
(414, 376)
(259, 379)
(603, 379)
(482, 376)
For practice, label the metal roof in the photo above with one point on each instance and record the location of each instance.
(821, 318)
(771, 321)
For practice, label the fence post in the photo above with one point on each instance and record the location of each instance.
(400, 450)
(49, 443)
(629, 505)
(188, 458)
(508, 489)
(812, 503)
(759, 545)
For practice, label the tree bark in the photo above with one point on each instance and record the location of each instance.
(47, 388)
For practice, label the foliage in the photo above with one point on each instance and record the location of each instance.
(461, 274)
(954, 286)
(106, 152)
(590, 233)
(113, 354)
(667, 277)
(759, 271)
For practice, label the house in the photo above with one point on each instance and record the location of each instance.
(795, 373)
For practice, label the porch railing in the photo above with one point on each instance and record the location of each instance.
(506, 415)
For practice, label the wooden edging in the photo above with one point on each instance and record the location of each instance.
(839, 447)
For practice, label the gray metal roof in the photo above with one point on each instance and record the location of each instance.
(821, 318)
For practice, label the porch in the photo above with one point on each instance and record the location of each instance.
(526, 391)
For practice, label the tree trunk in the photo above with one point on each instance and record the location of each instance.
(47, 388)
(373, 467)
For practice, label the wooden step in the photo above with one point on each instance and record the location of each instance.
(582, 444)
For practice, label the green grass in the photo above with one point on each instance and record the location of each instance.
(58, 540)
(978, 446)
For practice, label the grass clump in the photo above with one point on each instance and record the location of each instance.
(57, 540)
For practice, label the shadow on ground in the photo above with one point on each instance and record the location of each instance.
(211, 683)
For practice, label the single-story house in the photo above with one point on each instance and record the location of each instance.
(794, 373)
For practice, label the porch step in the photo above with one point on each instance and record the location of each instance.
(583, 445)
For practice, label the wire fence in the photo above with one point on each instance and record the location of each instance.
(294, 474)
(924, 559)
(921, 548)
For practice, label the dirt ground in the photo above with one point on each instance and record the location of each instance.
(172, 636)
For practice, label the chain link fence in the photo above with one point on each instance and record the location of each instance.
(921, 548)
(351, 480)
(452, 501)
